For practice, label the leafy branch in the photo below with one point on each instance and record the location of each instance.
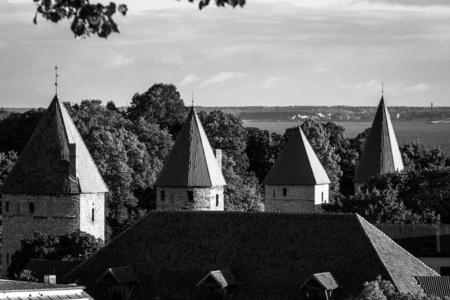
(87, 18)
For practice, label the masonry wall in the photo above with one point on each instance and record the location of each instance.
(92, 214)
(176, 198)
(53, 214)
(297, 198)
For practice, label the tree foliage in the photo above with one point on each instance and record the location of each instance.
(74, 246)
(161, 104)
(87, 18)
(7, 161)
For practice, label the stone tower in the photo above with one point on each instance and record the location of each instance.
(381, 153)
(55, 186)
(191, 177)
(297, 181)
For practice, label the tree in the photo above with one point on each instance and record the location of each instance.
(87, 18)
(260, 151)
(128, 155)
(16, 129)
(7, 161)
(161, 104)
(380, 206)
(73, 246)
(417, 156)
(226, 132)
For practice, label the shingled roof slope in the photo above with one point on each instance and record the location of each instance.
(270, 254)
(44, 167)
(297, 164)
(191, 162)
(381, 153)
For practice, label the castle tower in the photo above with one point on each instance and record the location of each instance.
(381, 153)
(297, 181)
(54, 187)
(191, 177)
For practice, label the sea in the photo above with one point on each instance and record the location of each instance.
(432, 135)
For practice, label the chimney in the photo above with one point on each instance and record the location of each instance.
(218, 155)
(72, 161)
(51, 279)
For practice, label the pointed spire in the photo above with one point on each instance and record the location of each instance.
(297, 164)
(381, 153)
(55, 159)
(191, 162)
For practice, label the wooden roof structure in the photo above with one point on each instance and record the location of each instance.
(297, 164)
(381, 153)
(55, 159)
(270, 254)
(191, 161)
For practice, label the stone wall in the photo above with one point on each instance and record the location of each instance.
(53, 214)
(297, 198)
(92, 214)
(176, 198)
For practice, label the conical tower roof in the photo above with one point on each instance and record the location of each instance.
(381, 153)
(191, 162)
(297, 164)
(55, 159)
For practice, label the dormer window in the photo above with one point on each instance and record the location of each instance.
(219, 284)
(320, 286)
(118, 283)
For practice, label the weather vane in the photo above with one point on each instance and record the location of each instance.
(56, 79)
(192, 99)
(382, 88)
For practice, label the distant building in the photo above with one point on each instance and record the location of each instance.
(54, 187)
(192, 174)
(297, 181)
(269, 256)
(381, 153)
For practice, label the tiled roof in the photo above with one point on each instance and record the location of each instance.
(42, 267)
(325, 279)
(191, 162)
(223, 278)
(46, 165)
(15, 285)
(121, 275)
(297, 164)
(270, 254)
(381, 153)
(435, 286)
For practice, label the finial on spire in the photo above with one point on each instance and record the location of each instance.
(192, 99)
(382, 89)
(56, 79)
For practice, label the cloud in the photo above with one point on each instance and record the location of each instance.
(272, 83)
(222, 77)
(190, 78)
(121, 61)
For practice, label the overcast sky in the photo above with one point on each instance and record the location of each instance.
(270, 53)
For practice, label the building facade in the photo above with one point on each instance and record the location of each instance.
(191, 177)
(54, 188)
(297, 181)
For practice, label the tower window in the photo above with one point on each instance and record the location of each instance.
(163, 196)
(284, 192)
(172, 198)
(93, 215)
(217, 200)
(31, 204)
(274, 193)
(6, 206)
(190, 195)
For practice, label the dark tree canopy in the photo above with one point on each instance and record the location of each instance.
(87, 18)
(74, 246)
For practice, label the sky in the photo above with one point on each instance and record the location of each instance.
(269, 53)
